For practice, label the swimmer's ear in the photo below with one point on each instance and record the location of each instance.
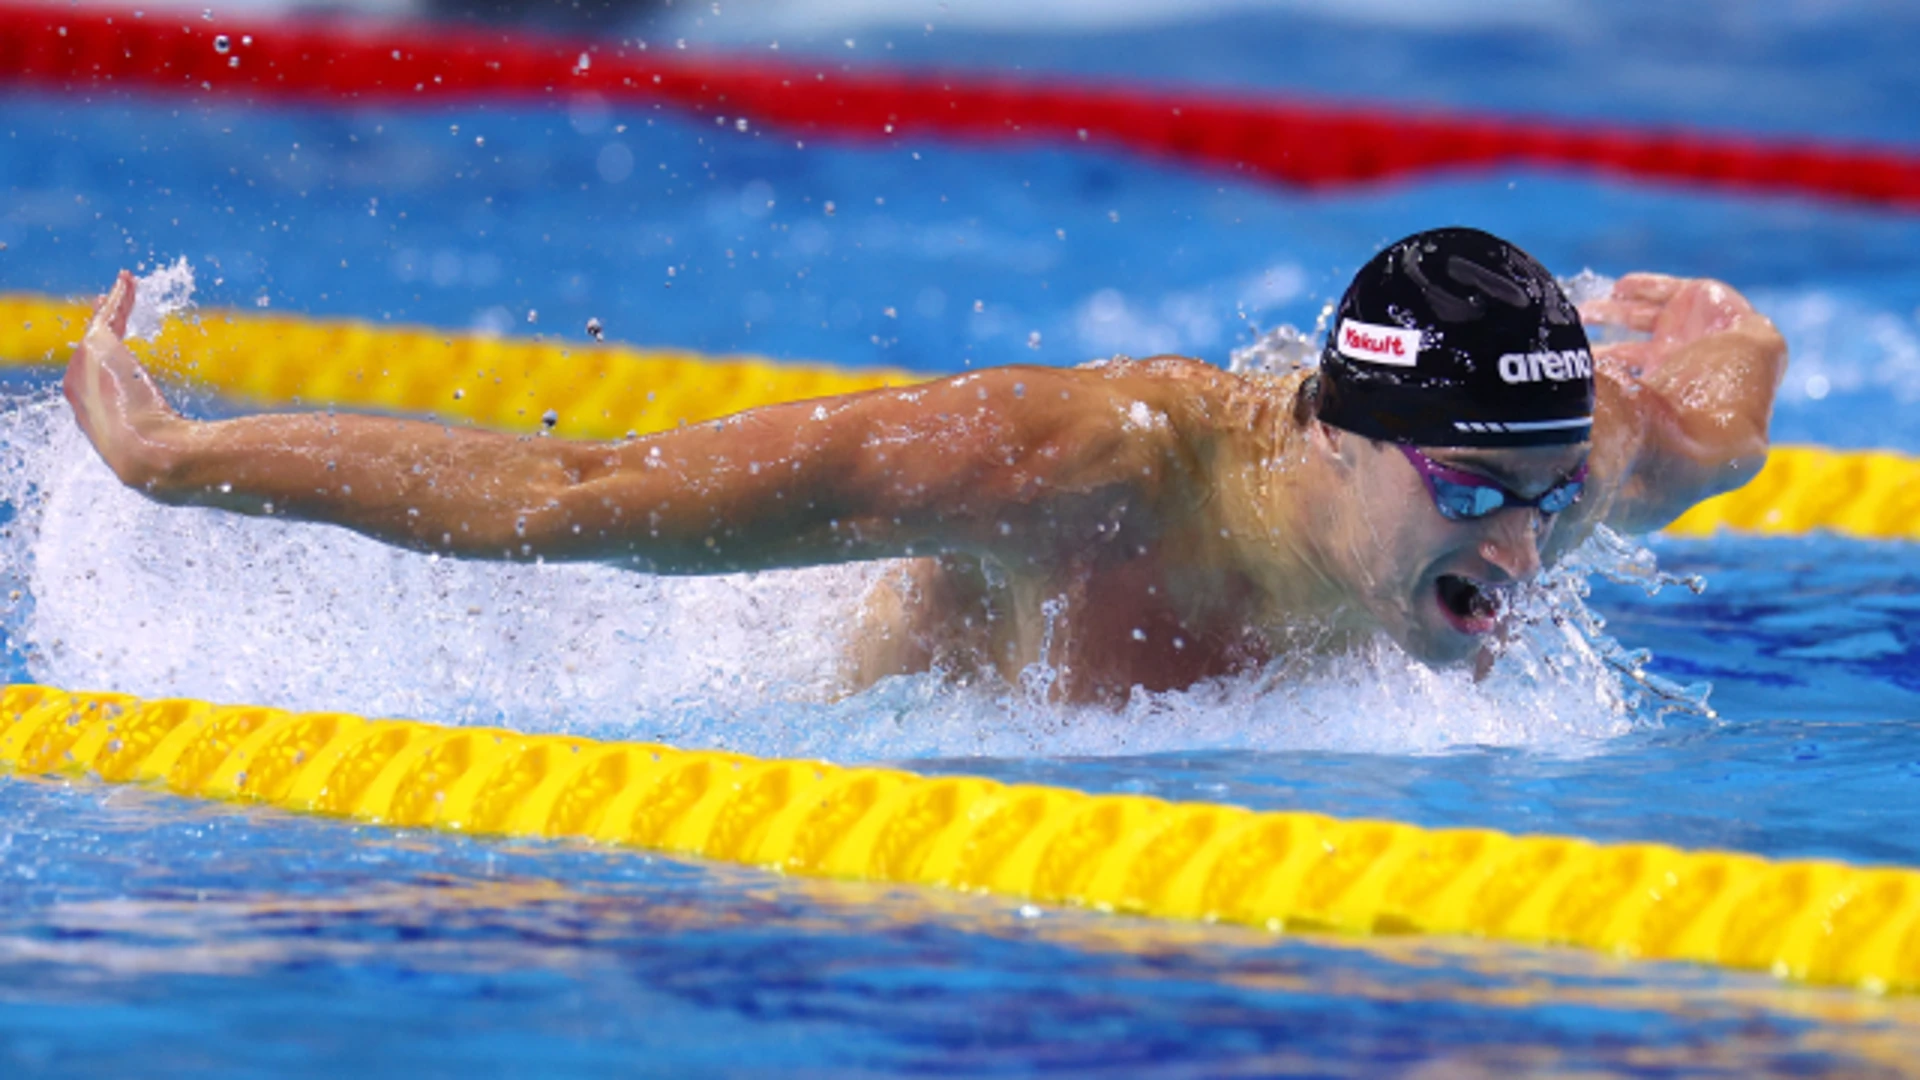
(1329, 442)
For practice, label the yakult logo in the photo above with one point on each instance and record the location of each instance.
(1534, 366)
(1378, 344)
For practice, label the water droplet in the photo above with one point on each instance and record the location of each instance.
(233, 61)
(533, 316)
(479, 140)
(583, 63)
(979, 306)
(458, 394)
(550, 418)
(740, 124)
(594, 329)
(221, 45)
(1033, 340)
(1139, 634)
(1083, 134)
(246, 39)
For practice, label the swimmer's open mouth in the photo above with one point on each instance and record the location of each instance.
(1466, 605)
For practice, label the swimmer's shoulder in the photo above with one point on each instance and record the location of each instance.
(1197, 397)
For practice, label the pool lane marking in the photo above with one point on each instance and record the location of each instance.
(90, 50)
(1810, 920)
(592, 391)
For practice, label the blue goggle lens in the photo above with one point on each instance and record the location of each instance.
(1468, 502)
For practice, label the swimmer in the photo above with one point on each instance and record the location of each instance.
(1146, 523)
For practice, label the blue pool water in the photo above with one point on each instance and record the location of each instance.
(140, 932)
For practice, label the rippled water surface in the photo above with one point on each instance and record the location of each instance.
(143, 934)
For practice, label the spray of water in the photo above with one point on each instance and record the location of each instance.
(110, 590)
(164, 293)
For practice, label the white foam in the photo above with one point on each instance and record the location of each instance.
(165, 292)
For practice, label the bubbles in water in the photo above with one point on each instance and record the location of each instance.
(221, 44)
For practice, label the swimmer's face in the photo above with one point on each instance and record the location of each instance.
(1434, 584)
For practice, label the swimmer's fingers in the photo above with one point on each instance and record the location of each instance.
(1644, 288)
(111, 312)
(1635, 302)
(1635, 315)
(119, 306)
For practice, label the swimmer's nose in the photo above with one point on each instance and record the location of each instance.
(1513, 543)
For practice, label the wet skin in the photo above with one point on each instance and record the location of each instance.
(1149, 523)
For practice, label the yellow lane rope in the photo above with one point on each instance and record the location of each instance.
(594, 391)
(1817, 921)
(605, 391)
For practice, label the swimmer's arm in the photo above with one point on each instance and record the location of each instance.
(1014, 463)
(1683, 416)
(1002, 462)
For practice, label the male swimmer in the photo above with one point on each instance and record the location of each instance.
(1149, 523)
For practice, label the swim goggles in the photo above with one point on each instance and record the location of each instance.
(1464, 496)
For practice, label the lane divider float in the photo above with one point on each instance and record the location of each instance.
(607, 391)
(593, 391)
(1816, 921)
(90, 50)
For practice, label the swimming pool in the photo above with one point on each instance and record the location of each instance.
(145, 929)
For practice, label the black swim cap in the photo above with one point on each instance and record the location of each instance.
(1454, 337)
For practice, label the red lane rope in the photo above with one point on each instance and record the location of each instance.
(92, 50)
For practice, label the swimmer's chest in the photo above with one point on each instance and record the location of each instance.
(1122, 623)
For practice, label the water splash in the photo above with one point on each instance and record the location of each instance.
(165, 292)
(1559, 599)
(117, 592)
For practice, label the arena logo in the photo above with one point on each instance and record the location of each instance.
(1379, 344)
(1558, 366)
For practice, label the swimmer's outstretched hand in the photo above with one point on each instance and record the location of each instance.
(1674, 312)
(114, 399)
